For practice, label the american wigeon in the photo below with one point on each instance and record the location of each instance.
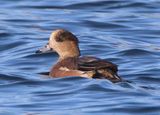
(70, 63)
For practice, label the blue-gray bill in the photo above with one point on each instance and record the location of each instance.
(45, 49)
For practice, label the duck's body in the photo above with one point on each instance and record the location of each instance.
(70, 62)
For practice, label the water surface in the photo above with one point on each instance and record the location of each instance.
(124, 32)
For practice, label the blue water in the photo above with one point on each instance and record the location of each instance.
(126, 32)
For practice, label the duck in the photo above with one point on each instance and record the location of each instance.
(70, 61)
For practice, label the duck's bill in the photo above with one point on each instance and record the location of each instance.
(45, 49)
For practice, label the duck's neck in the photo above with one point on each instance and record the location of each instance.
(66, 55)
(62, 57)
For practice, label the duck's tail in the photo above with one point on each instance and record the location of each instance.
(110, 75)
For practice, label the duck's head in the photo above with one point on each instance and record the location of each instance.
(63, 42)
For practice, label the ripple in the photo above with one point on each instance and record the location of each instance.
(94, 4)
(72, 6)
(11, 78)
(101, 25)
(133, 5)
(8, 46)
(21, 20)
(150, 79)
(135, 52)
(4, 34)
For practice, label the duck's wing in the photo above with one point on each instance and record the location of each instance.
(88, 63)
(103, 69)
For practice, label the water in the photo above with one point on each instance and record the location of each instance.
(124, 32)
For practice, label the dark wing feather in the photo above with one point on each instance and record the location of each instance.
(91, 63)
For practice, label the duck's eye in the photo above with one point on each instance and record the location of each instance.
(61, 38)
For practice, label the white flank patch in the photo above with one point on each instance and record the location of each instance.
(64, 69)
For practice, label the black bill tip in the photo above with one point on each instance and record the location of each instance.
(38, 51)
